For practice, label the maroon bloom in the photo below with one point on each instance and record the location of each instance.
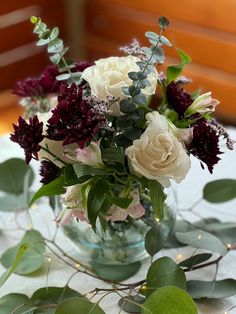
(48, 171)
(46, 83)
(28, 136)
(74, 120)
(178, 99)
(205, 144)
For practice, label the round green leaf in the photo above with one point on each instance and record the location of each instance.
(164, 272)
(78, 306)
(129, 303)
(10, 302)
(220, 190)
(12, 175)
(203, 240)
(195, 260)
(33, 257)
(154, 240)
(115, 273)
(212, 289)
(169, 300)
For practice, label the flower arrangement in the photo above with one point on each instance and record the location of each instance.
(111, 136)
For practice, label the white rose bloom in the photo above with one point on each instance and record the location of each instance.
(158, 154)
(109, 75)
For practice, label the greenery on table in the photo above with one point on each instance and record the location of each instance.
(165, 289)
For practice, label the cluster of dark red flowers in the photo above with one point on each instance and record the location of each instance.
(74, 120)
(48, 171)
(28, 136)
(205, 143)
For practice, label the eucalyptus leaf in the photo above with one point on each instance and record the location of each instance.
(55, 46)
(195, 260)
(154, 239)
(151, 35)
(164, 272)
(32, 257)
(116, 273)
(78, 305)
(127, 106)
(163, 22)
(12, 202)
(219, 191)
(169, 300)
(165, 41)
(54, 33)
(212, 289)
(14, 263)
(13, 303)
(63, 77)
(12, 175)
(129, 303)
(140, 99)
(55, 58)
(203, 240)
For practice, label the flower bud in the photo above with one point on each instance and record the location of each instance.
(90, 155)
(203, 104)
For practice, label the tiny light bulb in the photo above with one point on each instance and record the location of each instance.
(157, 219)
(199, 237)
(49, 259)
(229, 246)
(30, 226)
(179, 257)
(77, 265)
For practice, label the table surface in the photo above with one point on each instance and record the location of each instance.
(187, 193)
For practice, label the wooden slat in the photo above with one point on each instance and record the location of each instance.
(218, 14)
(210, 47)
(222, 84)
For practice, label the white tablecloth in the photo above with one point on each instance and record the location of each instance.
(188, 192)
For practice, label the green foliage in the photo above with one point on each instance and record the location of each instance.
(203, 240)
(218, 191)
(113, 155)
(157, 196)
(163, 22)
(12, 202)
(173, 71)
(55, 187)
(195, 260)
(154, 239)
(212, 289)
(169, 300)
(28, 254)
(44, 300)
(129, 303)
(74, 304)
(115, 273)
(164, 272)
(13, 174)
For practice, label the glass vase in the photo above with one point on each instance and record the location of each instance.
(121, 243)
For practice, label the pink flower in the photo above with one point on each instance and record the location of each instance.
(90, 155)
(134, 210)
(68, 214)
(203, 104)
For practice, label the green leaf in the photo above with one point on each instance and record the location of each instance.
(52, 295)
(12, 202)
(173, 71)
(127, 305)
(140, 99)
(163, 22)
(218, 191)
(127, 106)
(116, 273)
(11, 302)
(54, 33)
(14, 263)
(63, 77)
(13, 172)
(165, 41)
(202, 240)
(85, 170)
(32, 257)
(78, 305)
(154, 240)
(55, 187)
(96, 196)
(122, 202)
(112, 155)
(164, 272)
(212, 289)
(55, 58)
(195, 260)
(132, 133)
(151, 35)
(55, 46)
(158, 197)
(169, 300)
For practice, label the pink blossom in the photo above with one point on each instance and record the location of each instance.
(90, 155)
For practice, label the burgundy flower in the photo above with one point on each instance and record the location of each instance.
(74, 120)
(178, 99)
(46, 83)
(28, 136)
(205, 144)
(48, 171)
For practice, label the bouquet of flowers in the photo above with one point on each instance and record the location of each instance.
(113, 134)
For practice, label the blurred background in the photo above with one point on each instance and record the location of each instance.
(206, 30)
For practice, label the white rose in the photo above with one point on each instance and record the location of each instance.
(158, 154)
(109, 75)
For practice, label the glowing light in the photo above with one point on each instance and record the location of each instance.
(30, 226)
(179, 257)
(229, 246)
(199, 237)
(157, 219)
(77, 265)
(49, 259)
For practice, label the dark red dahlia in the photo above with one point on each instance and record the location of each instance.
(48, 171)
(74, 120)
(28, 136)
(205, 144)
(178, 99)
